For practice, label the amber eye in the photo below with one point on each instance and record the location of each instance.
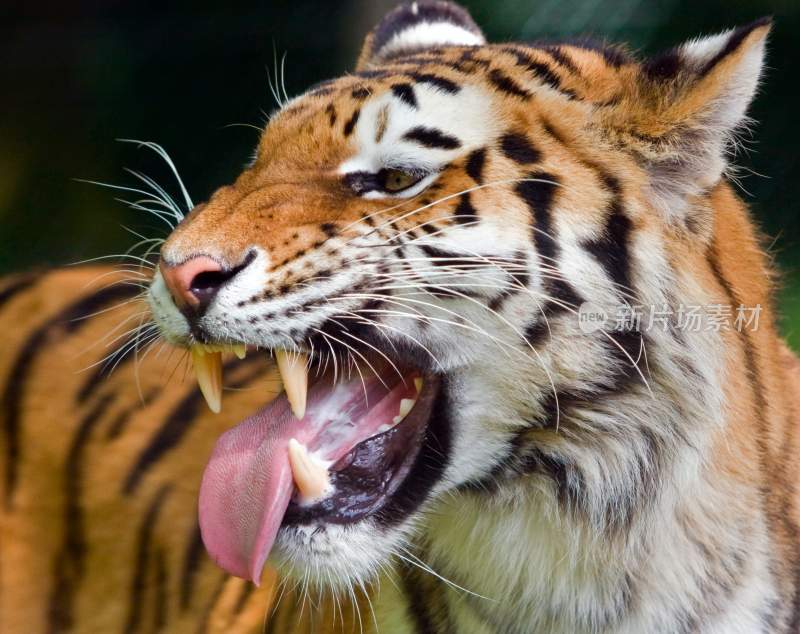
(396, 180)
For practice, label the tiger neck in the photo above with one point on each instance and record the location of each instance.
(520, 563)
(643, 531)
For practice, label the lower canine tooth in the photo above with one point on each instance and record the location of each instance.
(294, 372)
(310, 476)
(405, 406)
(208, 369)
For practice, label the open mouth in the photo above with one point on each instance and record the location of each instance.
(335, 447)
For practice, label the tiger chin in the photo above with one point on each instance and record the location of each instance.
(523, 337)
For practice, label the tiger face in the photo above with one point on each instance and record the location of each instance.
(413, 244)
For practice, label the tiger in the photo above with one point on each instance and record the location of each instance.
(426, 366)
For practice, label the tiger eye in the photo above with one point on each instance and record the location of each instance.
(396, 180)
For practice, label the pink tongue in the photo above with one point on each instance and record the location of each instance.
(247, 484)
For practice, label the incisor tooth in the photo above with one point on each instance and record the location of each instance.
(309, 475)
(208, 369)
(240, 350)
(294, 373)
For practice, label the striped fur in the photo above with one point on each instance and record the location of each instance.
(570, 481)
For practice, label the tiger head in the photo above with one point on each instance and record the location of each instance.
(434, 249)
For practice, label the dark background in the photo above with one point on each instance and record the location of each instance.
(76, 75)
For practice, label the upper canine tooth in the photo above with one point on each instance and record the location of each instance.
(310, 475)
(208, 369)
(418, 384)
(294, 372)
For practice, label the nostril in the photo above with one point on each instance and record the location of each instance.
(205, 284)
(210, 281)
(194, 283)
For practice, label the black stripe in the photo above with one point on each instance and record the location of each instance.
(178, 423)
(405, 92)
(519, 149)
(66, 322)
(168, 436)
(506, 84)
(330, 110)
(569, 479)
(439, 82)
(561, 298)
(540, 70)
(538, 193)
(416, 606)
(543, 72)
(160, 591)
(350, 124)
(202, 626)
(295, 110)
(144, 538)
(118, 358)
(449, 258)
(614, 55)
(120, 421)
(468, 63)
(475, 164)
(191, 563)
(612, 249)
(360, 93)
(244, 595)
(518, 282)
(561, 58)
(372, 74)
(69, 565)
(18, 284)
(465, 213)
(432, 138)
(663, 66)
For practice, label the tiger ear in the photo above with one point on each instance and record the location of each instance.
(415, 26)
(686, 107)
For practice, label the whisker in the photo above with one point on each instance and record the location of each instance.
(155, 147)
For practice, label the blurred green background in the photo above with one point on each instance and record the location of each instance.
(77, 75)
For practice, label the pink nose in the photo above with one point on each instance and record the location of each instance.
(194, 283)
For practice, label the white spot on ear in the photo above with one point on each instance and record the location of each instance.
(427, 34)
(729, 110)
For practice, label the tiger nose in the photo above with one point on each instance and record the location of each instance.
(194, 283)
